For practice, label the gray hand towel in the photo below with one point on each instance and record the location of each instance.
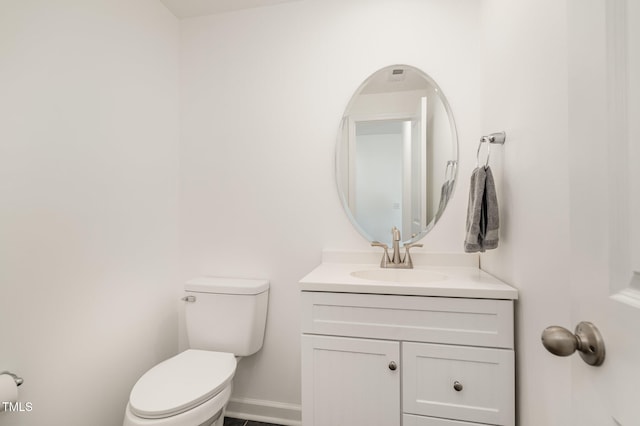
(473, 237)
(482, 214)
(490, 239)
(445, 193)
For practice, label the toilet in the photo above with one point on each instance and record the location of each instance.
(225, 320)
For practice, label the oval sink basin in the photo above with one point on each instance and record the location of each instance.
(399, 275)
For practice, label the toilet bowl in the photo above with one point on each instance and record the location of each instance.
(194, 387)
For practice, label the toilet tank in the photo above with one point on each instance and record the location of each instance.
(226, 314)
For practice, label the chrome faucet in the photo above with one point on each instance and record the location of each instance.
(395, 260)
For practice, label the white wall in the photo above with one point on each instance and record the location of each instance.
(263, 94)
(88, 193)
(525, 92)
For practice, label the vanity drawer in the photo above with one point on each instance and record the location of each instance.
(485, 379)
(472, 322)
(411, 420)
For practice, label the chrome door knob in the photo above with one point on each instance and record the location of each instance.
(587, 340)
(559, 341)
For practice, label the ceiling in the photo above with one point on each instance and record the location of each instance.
(190, 8)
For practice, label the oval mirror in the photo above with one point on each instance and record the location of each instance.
(397, 155)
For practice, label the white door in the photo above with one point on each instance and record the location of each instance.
(419, 213)
(604, 71)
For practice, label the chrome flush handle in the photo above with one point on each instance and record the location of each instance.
(15, 377)
(190, 299)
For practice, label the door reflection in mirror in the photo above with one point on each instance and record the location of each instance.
(396, 155)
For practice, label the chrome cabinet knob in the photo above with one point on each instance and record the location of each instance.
(393, 366)
(586, 339)
(457, 386)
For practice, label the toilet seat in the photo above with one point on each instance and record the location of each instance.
(201, 415)
(181, 383)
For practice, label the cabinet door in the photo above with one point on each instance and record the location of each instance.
(459, 383)
(349, 381)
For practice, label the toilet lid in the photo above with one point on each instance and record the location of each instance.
(181, 383)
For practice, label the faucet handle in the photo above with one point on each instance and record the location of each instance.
(407, 257)
(408, 246)
(385, 256)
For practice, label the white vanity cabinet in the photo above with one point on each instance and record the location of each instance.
(410, 360)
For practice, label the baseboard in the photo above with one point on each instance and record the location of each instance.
(278, 413)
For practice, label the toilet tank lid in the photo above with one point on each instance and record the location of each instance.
(225, 285)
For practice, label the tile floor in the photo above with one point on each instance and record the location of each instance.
(239, 422)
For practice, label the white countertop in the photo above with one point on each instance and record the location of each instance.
(456, 281)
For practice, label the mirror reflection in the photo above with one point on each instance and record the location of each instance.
(396, 155)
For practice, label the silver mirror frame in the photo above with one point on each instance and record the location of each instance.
(454, 153)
